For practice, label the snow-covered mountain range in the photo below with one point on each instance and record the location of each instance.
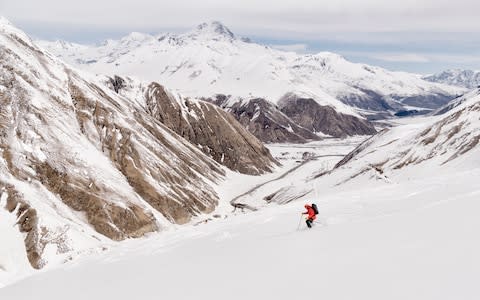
(211, 60)
(213, 63)
(464, 78)
(81, 163)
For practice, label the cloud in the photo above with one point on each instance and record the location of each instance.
(416, 57)
(455, 58)
(299, 48)
(307, 18)
(400, 57)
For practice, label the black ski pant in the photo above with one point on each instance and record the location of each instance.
(309, 223)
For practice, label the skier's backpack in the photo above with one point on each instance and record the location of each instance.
(315, 208)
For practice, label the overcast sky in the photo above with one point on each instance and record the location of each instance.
(413, 35)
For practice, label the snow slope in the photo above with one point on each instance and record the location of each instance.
(412, 240)
(382, 233)
(13, 261)
(211, 60)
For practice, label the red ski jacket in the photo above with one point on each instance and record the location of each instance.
(310, 212)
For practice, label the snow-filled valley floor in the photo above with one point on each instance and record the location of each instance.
(408, 239)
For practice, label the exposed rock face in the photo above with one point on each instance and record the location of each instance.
(215, 131)
(265, 120)
(294, 120)
(27, 223)
(317, 118)
(81, 164)
(116, 83)
(120, 144)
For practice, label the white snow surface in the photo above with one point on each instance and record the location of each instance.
(398, 221)
(211, 60)
(415, 240)
(13, 261)
(403, 233)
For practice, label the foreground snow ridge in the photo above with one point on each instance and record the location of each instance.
(380, 244)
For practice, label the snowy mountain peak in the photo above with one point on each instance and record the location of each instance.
(464, 78)
(8, 28)
(213, 29)
(61, 44)
(210, 60)
(136, 36)
(4, 21)
(329, 55)
(322, 58)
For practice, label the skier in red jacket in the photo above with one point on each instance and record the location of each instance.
(311, 215)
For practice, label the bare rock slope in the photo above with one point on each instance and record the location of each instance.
(216, 132)
(323, 119)
(294, 119)
(80, 164)
(265, 120)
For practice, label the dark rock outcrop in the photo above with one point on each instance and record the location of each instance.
(265, 120)
(317, 118)
(116, 83)
(215, 131)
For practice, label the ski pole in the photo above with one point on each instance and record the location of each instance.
(299, 222)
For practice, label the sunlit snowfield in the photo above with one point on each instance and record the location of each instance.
(403, 239)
